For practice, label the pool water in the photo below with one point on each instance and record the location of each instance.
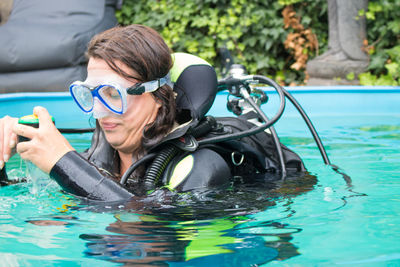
(323, 219)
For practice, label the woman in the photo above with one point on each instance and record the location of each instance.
(128, 93)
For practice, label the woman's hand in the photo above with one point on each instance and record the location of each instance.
(47, 145)
(8, 139)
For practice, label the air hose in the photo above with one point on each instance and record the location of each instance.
(317, 139)
(162, 159)
(255, 130)
(232, 82)
(250, 100)
(134, 166)
(306, 119)
(281, 91)
(158, 166)
(310, 126)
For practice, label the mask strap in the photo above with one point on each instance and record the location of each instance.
(147, 87)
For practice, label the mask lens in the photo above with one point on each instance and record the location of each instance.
(83, 96)
(112, 97)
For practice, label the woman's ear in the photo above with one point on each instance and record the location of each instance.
(158, 104)
(158, 101)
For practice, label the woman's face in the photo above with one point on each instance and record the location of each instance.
(123, 132)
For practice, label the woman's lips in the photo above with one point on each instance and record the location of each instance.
(108, 126)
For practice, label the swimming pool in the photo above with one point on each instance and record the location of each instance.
(322, 221)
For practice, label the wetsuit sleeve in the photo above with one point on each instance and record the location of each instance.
(202, 169)
(3, 176)
(78, 176)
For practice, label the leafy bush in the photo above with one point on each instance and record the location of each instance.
(252, 30)
(383, 28)
(273, 38)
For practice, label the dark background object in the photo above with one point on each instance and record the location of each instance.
(43, 42)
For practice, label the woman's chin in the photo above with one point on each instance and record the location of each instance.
(121, 141)
(120, 146)
(114, 141)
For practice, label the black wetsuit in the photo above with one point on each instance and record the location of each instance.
(91, 174)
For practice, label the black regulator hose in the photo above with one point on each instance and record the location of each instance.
(317, 139)
(279, 89)
(273, 133)
(158, 166)
(256, 129)
(310, 126)
(134, 166)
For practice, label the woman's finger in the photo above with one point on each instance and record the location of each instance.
(7, 138)
(22, 148)
(13, 141)
(43, 116)
(24, 130)
(1, 144)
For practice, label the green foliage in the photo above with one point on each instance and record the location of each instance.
(391, 73)
(383, 27)
(252, 30)
(254, 33)
(288, 2)
(350, 76)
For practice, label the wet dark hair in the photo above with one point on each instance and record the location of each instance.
(143, 50)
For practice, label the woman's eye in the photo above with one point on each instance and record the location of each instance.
(110, 92)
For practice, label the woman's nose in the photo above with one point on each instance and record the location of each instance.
(99, 109)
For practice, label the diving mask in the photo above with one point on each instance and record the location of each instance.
(110, 95)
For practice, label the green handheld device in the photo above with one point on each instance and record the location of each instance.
(31, 120)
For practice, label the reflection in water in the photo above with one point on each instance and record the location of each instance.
(216, 243)
(215, 228)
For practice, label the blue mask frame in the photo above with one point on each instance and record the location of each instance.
(136, 89)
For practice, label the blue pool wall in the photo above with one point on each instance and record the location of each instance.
(317, 101)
